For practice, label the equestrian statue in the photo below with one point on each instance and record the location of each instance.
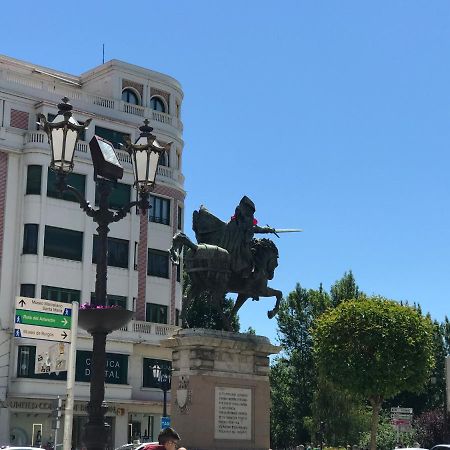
(228, 259)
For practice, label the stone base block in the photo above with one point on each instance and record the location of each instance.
(220, 389)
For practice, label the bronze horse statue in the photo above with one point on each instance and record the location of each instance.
(210, 269)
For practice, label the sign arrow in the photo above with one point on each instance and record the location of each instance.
(23, 330)
(43, 306)
(42, 319)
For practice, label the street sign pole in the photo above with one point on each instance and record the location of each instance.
(57, 419)
(68, 417)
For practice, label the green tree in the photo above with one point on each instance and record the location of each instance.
(282, 427)
(345, 415)
(374, 348)
(311, 400)
(433, 392)
(295, 319)
(344, 289)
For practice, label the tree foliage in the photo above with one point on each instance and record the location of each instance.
(310, 401)
(344, 289)
(430, 426)
(282, 425)
(295, 318)
(345, 415)
(387, 438)
(374, 348)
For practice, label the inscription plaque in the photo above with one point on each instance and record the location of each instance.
(233, 413)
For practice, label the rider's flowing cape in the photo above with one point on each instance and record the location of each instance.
(208, 228)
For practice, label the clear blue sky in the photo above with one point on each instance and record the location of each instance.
(333, 116)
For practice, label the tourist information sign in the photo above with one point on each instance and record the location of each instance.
(42, 319)
(401, 418)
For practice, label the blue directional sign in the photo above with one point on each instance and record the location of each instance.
(165, 422)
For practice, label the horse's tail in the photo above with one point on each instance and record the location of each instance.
(179, 241)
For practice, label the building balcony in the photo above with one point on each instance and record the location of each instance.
(165, 122)
(137, 331)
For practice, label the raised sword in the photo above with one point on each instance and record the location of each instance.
(285, 230)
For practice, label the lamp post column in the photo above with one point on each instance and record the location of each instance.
(97, 431)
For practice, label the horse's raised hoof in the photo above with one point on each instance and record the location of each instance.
(270, 314)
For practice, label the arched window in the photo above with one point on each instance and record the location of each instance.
(157, 104)
(130, 96)
(164, 159)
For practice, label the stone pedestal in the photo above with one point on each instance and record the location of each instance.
(220, 389)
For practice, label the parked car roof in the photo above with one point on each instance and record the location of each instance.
(411, 448)
(7, 447)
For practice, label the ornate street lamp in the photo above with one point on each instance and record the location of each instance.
(163, 375)
(145, 154)
(63, 133)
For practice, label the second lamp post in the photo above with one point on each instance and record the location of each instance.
(163, 375)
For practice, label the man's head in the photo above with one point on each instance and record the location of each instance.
(168, 435)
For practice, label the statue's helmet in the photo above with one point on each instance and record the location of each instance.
(247, 203)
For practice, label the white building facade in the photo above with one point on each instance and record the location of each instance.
(47, 244)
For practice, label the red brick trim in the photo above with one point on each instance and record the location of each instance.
(3, 181)
(142, 266)
(142, 262)
(19, 119)
(169, 192)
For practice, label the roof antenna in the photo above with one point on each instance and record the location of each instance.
(103, 53)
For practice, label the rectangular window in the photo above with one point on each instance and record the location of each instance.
(177, 317)
(156, 313)
(26, 357)
(76, 180)
(180, 218)
(159, 211)
(117, 252)
(59, 294)
(63, 243)
(116, 371)
(135, 260)
(34, 176)
(30, 239)
(113, 300)
(115, 137)
(119, 197)
(28, 290)
(148, 380)
(158, 263)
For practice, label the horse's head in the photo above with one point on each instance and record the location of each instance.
(265, 255)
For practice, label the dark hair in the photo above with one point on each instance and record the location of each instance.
(168, 434)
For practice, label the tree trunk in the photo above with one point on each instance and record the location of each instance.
(376, 406)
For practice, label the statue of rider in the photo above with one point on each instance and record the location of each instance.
(234, 236)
